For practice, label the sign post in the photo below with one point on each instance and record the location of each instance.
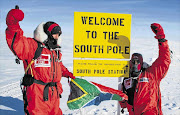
(101, 39)
(120, 80)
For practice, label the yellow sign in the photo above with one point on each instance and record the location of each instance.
(101, 35)
(101, 68)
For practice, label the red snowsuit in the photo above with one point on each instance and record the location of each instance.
(47, 70)
(147, 96)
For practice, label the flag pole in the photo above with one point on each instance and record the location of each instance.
(120, 80)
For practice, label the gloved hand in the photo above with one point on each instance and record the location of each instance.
(123, 104)
(158, 30)
(14, 16)
(65, 72)
(71, 75)
(68, 74)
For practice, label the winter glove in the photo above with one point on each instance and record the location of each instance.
(123, 104)
(71, 75)
(14, 16)
(67, 74)
(158, 30)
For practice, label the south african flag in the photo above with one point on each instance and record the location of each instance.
(84, 93)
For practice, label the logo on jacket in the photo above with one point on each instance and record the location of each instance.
(144, 79)
(44, 60)
(128, 83)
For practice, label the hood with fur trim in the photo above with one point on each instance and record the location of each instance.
(41, 36)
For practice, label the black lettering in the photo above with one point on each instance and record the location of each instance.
(77, 70)
(115, 35)
(108, 22)
(87, 34)
(83, 48)
(115, 49)
(95, 46)
(76, 48)
(102, 22)
(110, 35)
(83, 71)
(90, 20)
(109, 48)
(84, 19)
(99, 71)
(96, 22)
(94, 34)
(119, 49)
(126, 49)
(121, 21)
(101, 49)
(104, 35)
(89, 48)
(115, 21)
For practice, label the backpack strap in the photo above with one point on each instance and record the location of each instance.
(17, 60)
(36, 55)
(38, 51)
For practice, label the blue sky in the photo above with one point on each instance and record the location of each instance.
(144, 12)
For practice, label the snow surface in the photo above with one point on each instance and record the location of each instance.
(10, 74)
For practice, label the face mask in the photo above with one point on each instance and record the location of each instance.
(51, 43)
(135, 67)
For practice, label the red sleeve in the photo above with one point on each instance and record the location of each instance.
(160, 67)
(65, 72)
(22, 46)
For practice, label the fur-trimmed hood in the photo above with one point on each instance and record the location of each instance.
(41, 36)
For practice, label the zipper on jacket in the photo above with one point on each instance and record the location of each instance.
(53, 73)
(53, 65)
(56, 70)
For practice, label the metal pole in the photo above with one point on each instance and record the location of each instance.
(120, 80)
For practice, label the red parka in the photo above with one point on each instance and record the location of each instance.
(147, 96)
(47, 68)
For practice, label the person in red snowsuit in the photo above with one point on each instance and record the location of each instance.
(143, 85)
(43, 95)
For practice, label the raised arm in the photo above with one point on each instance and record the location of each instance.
(160, 67)
(19, 44)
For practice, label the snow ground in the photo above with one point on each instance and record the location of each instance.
(10, 74)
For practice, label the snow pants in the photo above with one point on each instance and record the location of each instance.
(36, 104)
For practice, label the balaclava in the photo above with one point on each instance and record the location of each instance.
(51, 28)
(136, 64)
